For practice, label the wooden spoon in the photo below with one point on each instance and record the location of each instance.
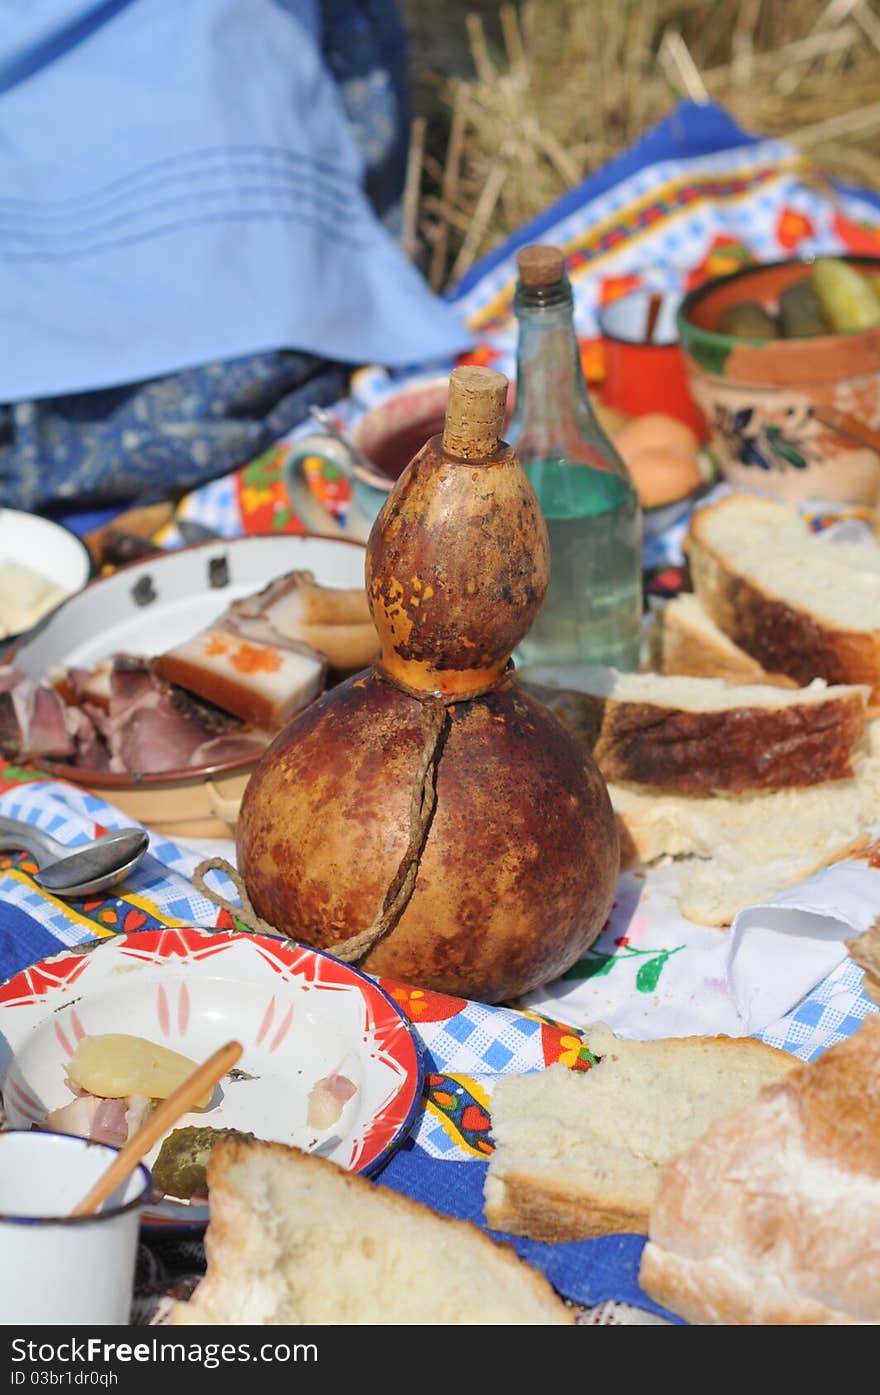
(654, 305)
(164, 1115)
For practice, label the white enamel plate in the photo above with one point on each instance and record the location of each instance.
(299, 1014)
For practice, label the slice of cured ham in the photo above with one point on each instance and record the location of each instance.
(32, 722)
(150, 726)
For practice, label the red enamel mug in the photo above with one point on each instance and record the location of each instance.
(644, 367)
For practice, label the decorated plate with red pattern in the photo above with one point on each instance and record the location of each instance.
(330, 1064)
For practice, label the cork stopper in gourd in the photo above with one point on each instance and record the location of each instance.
(475, 411)
(458, 561)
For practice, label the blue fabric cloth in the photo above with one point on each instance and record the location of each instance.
(159, 438)
(189, 241)
(365, 48)
(181, 184)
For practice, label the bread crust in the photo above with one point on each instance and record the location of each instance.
(864, 950)
(738, 749)
(732, 750)
(684, 650)
(771, 1216)
(778, 636)
(710, 1292)
(542, 1210)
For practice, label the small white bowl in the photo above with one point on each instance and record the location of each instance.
(48, 548)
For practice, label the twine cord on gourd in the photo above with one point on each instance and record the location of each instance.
(423, 802)
(243, 912)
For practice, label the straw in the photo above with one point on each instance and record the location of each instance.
(559, 88)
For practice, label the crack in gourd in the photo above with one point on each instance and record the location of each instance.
(436, 723)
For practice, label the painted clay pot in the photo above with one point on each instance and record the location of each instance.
(760, 397)
(428, 819)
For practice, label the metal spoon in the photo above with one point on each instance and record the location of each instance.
(78, 871)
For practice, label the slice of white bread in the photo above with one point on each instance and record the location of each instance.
(579, 1153)
(745, 849)
(700, 735)
(295, 1239)
(773, 1216)
(714, 892)
(686, 641)
(798, 604)
(864, 950)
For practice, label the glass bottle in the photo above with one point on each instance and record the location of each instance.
(592, 614)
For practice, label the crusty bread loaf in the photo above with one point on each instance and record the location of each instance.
(773, 1216)
(864, 950)
(700, 735)
(295, 1239)
(743, 849)
(578, 1153)
(686, 641)
(797, 604)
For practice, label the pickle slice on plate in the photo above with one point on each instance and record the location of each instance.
(181, 1168)
(847, 297)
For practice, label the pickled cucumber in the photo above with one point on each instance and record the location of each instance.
(181, 1167)
(115, 1065)
(747, 320)
(847, 297)
(801, 314)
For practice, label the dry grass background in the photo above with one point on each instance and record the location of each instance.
(556, 88)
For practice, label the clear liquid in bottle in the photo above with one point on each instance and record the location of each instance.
(592, 614)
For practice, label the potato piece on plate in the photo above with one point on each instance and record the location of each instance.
(114, 1066)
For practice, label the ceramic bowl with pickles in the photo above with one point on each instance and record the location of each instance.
(784, 361)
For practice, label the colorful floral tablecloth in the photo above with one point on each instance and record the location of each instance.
(642, 972)
(694, 199)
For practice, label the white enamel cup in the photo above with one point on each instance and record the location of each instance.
(56, 1268)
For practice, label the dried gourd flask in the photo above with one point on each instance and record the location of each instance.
(428, 819)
